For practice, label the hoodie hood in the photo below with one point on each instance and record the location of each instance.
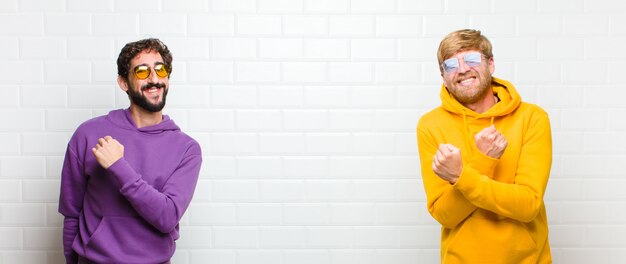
(123, 119)
(509, 101)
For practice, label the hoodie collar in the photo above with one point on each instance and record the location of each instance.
(123, 119)
(509, 101)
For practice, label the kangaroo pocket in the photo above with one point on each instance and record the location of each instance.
(128, 240)
(491, 240)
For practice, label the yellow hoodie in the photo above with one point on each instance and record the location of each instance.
(494, 213)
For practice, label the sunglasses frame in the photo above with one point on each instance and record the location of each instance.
(149, 69)
(470, 63)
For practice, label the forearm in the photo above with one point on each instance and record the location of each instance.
(451, 208)
(161, 208)
(70, 231)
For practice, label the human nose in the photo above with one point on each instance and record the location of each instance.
(153, 77)
(463, 67)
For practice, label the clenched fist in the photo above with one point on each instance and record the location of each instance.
(447, 163)
(491, 142)
(108, 151)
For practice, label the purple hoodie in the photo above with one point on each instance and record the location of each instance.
(130, 212)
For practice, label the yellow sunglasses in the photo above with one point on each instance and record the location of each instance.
(143, 71)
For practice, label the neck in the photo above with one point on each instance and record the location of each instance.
(143, 118)
(483, 105)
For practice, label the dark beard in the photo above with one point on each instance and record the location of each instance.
(139, 99)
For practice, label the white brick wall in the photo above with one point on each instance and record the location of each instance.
(306, 110)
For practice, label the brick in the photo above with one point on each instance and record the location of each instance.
(195, 237)
(43, 48)
(350, 71)
(220, 167)
(260, 214)
(440, 25)
(9, 48)
(230, 96)
(283, 237)
(330, 237)
(617, 25)
(402, 167)
(355, 25)
(306, 214)
(241, 143)
(463, 7)
(306, 25)
(236, 191)
(176, 25)
(585, 255)
(259, 120)
(258, 256)
(616, 121)
(68, 24)
(260, 25)
(235, 48)
(187, 48)
(398, 213)
(612, 139)
(99, 48)
(399, 25)
(329, 190)
(375, 237)
(375, 190)
(257, 72)
(11, 238)
(567, 142)
(279, 48)
(595, 74)
(212, 120)
(90, 6)
(16, 119)
(186, 6)
(539, 25)
(325, 49)
(68, 72)
(305, 167)
(24, 257)
(351, 256)
(418, 96)
(259, 167)
(418, 48)
(373, 49)
(48, 143)
(21, 73)
(584, 120)
(327, 96)
(282, 190)
(593, 212)
(48, 95)
(372, 6)
(495, 25)
(606, 6)
(22, 215)
(603, 190)
(282, 143)
(420, 6)
(10, 191)
(399, 256)
(355, 214)
(396, 120)
(373, 96)
(211, 25)
(212, 214)
(578, 165)
(305, 120)
(281, 96)
(604, 236)
(405, 72)
(236, 237)
(411, 190)
(234, 6)
(189, 97)
(561, 6)
(563, 48)
(540, 73)
(328, 143)
(54, 165)
(213, 256)
(9, 6)
(326, 6)
(406, 143)
(373, 143)
(42, 238)
(211, 72)
(91, 96)
(10, 96)
(585, 25)
(351, 167)
(280, 6)
(66, 120)
(306, 257)
(351, 120)
(594, 99)
(509, 6)
(115, 24)
(29, 24)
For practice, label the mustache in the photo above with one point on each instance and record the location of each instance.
(149, 85)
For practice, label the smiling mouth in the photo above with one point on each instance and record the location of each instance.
(466, 81)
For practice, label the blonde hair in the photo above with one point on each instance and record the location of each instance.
(462, 40)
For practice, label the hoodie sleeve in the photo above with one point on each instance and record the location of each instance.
(445, 203)
(522, 199)
(163, 208)
(73, 185)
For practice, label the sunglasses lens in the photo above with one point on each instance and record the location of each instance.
(451, 65)
(161, 70)
(142, 72)
(472, 59)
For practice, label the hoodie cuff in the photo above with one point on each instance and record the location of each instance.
(469, 182)
(484, 164)
(123, 173)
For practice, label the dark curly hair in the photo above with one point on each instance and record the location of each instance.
(131, 50)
